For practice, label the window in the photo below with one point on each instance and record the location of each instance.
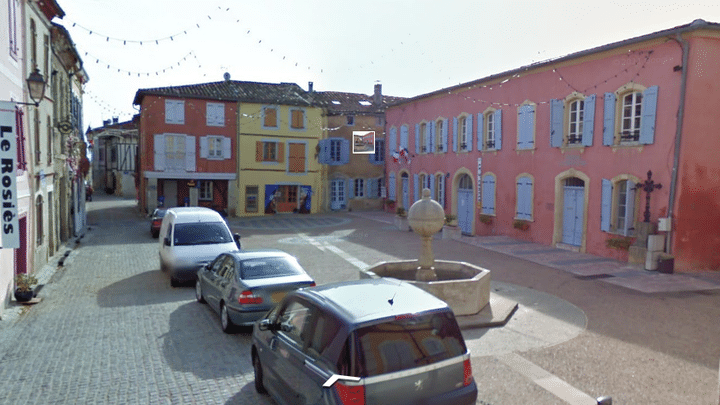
(14, 46)
(46, 56)
(618, 205)
(295, 318)
(39, 220)
(378, 157)
(440, 135)
(334, 151)
(462, 136)
(174, 112)
(526, 127)
(359, 185)
(206, 191)
(175, 152)
(572, 121)
(488, 194)
(269, 152)
(297, 119)
(296, 157)
(379, 186)
(422, 138)
(49, 134)
(215, 114)
(524, 206)
(215, 147)
(351, 120)
(440, 189)
(326, 328)
(462, 127)
(635, 109)
(270, 117)
(404, 137)
(251, 198)
(199, 233)
(490, 130)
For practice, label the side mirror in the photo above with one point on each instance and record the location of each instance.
(166, 242)
(265, 324)
(236, 236)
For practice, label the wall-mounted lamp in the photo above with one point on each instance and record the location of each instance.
(36, 87)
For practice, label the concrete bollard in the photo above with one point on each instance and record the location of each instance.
(604, 400)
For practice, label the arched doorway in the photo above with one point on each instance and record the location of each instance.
(573, 211)
(465, 204)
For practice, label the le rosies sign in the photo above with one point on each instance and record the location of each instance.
(9, 226)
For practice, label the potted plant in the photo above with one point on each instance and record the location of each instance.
(486, 219)
(620, 243)
(24, 287)
(390, 204)
(401, 220)
(521, 224)
(451, 230)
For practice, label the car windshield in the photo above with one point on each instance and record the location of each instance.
(266, 267)
(407, 342)
(201, 233)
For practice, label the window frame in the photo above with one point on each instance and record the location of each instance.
(205, 190)
(214, 114)
(440, 139)
(174, 111)
(270, 151)
(359, 188)
(265, 117)
(614, 116)
(529, 108)
(612, 223)
(634, 118)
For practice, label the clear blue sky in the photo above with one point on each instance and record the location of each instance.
(410, 46)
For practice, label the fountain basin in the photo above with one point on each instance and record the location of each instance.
(463, 286)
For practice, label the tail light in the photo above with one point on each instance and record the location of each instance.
(248, 297)
(350, 394)
(312, 284)
(467, 373)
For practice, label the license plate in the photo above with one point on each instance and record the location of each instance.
(277, 296)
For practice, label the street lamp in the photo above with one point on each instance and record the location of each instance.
(36, 87)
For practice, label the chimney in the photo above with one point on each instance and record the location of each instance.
(115, 120)
(377, 96)
(310, 87)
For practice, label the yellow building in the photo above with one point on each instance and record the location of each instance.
(278, 134)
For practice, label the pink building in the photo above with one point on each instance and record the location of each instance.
(559, 152)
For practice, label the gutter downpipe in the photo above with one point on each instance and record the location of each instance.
(678, 137)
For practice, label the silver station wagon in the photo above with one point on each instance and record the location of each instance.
(372, 341)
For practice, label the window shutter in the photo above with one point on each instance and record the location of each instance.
(588, 121)
(350, 188)
(606, 206)
(416, 182)
(455, 134)
(524, 195)
(370, 186)
(258, 151)
(480, 131)
(497, 121)
(609, 122)
(649, 110)
(159, 149)
(344, 151)
(391, 187)
(190, 153)
(280, 152)
(526, 121)
(445, 135)
(469, 130)
(556, 123)
(488, 195)
(227, 148)
(417, 138)
(204, 147)
(392, 146)
(629, 208)
(432, 187)
(323, 152)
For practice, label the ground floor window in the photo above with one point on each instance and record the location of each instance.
(206, 191)
(251, 198)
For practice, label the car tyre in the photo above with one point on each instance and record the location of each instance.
(198, 293)
(225, 322)
(257, 367)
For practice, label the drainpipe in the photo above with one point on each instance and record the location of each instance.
(678, 136)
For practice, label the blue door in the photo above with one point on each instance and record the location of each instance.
(337, 194)
(405, 191)
(465, 205)
(573, 215)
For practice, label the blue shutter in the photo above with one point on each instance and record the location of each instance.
(526, 121)
(432, 187)
(629, 208)
(455, 134)
(391, 187)
(431, 138)
(351, 188)
(524, 195)
(498, 128)
(488, 195)
(606, 205)
(609, 120)
(445, 135)
(480, 131)
(324, 153)
(344, 151)
(392, 145)
(469, 127)
(417, 138)
(416, 184)
(588, 121)
(649, 110)
(556, 123)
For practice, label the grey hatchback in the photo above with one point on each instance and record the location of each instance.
(371, 341)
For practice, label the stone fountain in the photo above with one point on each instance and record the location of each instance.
(463, 286)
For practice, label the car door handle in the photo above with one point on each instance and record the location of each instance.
(273, 343)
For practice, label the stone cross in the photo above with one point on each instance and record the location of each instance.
(648, 185)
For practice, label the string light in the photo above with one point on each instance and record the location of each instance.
(147, 74)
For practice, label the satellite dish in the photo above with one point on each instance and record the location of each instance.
(226, 76)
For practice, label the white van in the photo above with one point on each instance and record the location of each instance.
(191, 237)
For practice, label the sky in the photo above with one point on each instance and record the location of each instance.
(411, 47)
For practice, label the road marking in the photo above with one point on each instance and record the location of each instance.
(312, 241)
(550, 382)
(352, 260)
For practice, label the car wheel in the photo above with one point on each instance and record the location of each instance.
(198, 293)
(225, 322)
(257, 367)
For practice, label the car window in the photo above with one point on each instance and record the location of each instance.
(229, 269)
(407, 342)
(202, 233)
(326, 328)
(216, 264)
(269, 267)
(295, 319)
